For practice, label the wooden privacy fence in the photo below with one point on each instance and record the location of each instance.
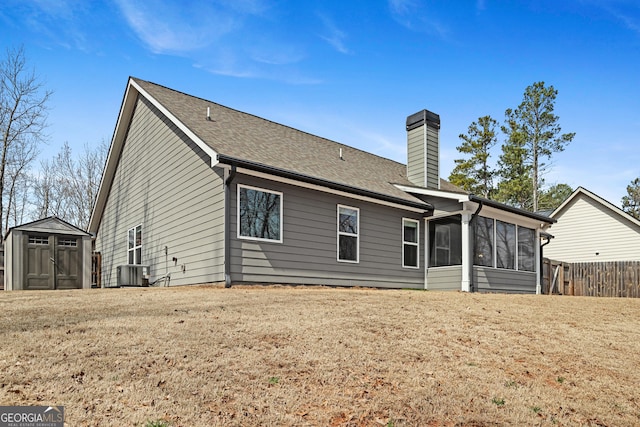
(596, 279)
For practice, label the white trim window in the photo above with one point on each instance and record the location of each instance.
(134, 246)
(410, 243)
(348, 234)
(259, 214)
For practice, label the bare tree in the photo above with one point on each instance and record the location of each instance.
(67, 186)
(23, 117)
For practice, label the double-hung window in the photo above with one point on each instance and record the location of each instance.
(348, 234)
(410, 242)
(259, 214)
(134, 249)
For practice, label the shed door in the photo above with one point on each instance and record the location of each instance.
(38, 269)
(68, 263)
(53, 262)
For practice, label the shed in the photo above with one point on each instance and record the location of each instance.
(47, 254)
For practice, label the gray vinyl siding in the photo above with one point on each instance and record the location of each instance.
(308, 254)
(416, 156)
(444, 278)
(423, 168)
(164, 182)
(487, 279)
(433, 156)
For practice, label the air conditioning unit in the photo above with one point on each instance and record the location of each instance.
(133, 275)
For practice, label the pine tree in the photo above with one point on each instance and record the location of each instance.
(534, 127)
(474, 174)
(515, 187)
(631, 202)
(553, 197)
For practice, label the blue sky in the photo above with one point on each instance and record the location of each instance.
(351, 70)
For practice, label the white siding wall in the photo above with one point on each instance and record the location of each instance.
(165, 183)
(585, 228)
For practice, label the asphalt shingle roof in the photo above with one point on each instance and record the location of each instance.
(244, 136)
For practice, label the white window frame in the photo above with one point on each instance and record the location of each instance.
(134, 247)
(281, 219)
(344, 233)
(416, 244)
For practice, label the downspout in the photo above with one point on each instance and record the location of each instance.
(473, 246)
(227, 228)
(541, 261)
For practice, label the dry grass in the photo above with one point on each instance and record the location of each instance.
(202, 356)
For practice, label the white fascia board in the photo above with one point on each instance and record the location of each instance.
(433, 193)
(199, 142)
(316, 187)
(511, 217)
(122, 124)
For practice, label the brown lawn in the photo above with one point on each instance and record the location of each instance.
(280, 356)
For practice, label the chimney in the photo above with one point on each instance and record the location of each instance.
(423, 146)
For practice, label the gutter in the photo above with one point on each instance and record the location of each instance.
(505, 207)
(258, 167)
(227, 232)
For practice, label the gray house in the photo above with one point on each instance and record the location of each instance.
(47, 254)
(202, 193)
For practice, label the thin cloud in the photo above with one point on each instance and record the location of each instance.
(167, 27)
(60, 22)
(413, 15)
(333, 35)
(626, 12)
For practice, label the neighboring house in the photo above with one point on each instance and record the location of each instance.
(47, 254)
(589, 228)
(204, 193)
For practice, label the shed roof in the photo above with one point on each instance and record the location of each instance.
(50, 225)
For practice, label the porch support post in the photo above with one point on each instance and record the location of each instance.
(466, 253)
(538, 263)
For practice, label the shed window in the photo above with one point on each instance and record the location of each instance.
(135, 245)
(410, 242)
(259, 214)
(348, 234)
(68, 242)
(445, 242)
(38, 240)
